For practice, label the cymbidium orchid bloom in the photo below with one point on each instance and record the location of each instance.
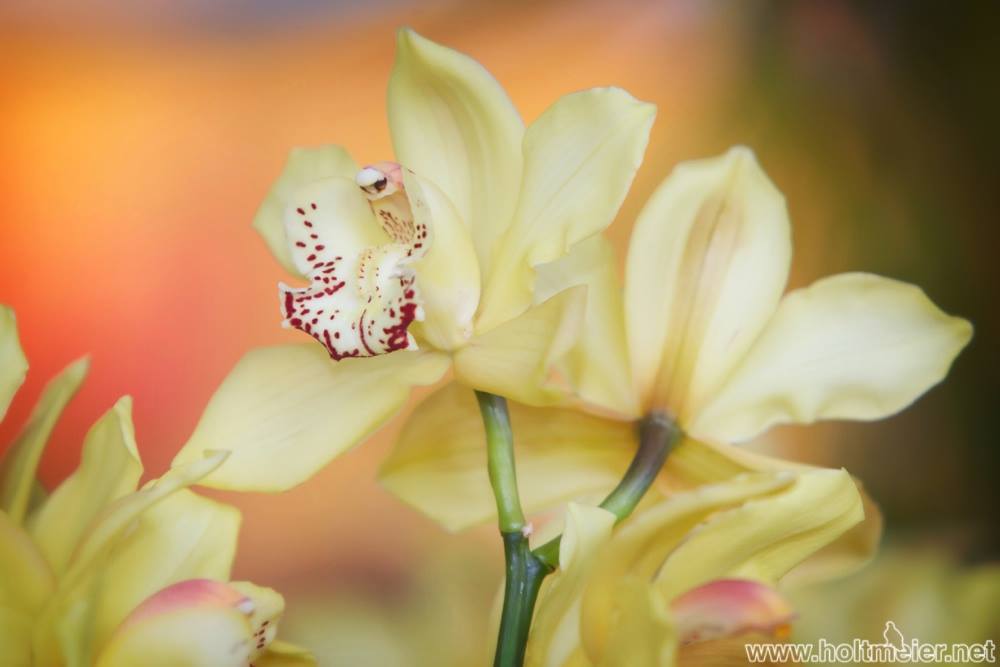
(425, 263)
(698, 566)
(103, 573)
(702, 336)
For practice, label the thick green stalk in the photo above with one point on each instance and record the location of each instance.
(524, 577)
(524, 572)
(500, 461)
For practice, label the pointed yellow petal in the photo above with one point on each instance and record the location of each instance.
(453, 124)
(694, 463)
(580, 157)
(304, 166)
(707, 264)
(284, 412)
(17, 468)
(650, 536)
(515, 359)
(195, 623)
(117, 517)
(27, 579)
(555, 628)
(764, 538)
(13, 365)
(597, 367)
(728, 607)
(852, 346)
(439, 462)
(448, 275)
(109, 468)
(283, 654)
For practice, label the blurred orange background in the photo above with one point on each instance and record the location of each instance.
(138, 140)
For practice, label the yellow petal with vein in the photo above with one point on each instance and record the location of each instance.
(597, 367)
(580, 157)
(448, 275)
(707, 264)
(764, 538)
(453, 124)
(515, 359)
(109, 468)
(693, 463)
(286, 411)
(851, 346)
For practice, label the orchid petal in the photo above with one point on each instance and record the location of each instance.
(515, 359)
(19, 463)
(304, 166)
(448, 274)
(27, 579)
(117, 517)
(453, 124)
(284, 412)
(729, 607)
(555, 628)
(561, 455)
(649, 537)
(694, 463)
(707, 263)
(597, 367)
(13, 364)
(764, 538)
(109, 468)
(852, 346)
(580, 157)
(194, 623)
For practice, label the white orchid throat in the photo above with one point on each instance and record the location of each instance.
(362, 296)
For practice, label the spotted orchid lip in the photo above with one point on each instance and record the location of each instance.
(362, 297)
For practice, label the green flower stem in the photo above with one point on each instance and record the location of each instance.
(524, 578)
(500, 453)
(524, 571)
(658, 434)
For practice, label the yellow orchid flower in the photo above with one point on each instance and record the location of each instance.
(698, 566)
(103, 573)
(702, 335)
(421, 264)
